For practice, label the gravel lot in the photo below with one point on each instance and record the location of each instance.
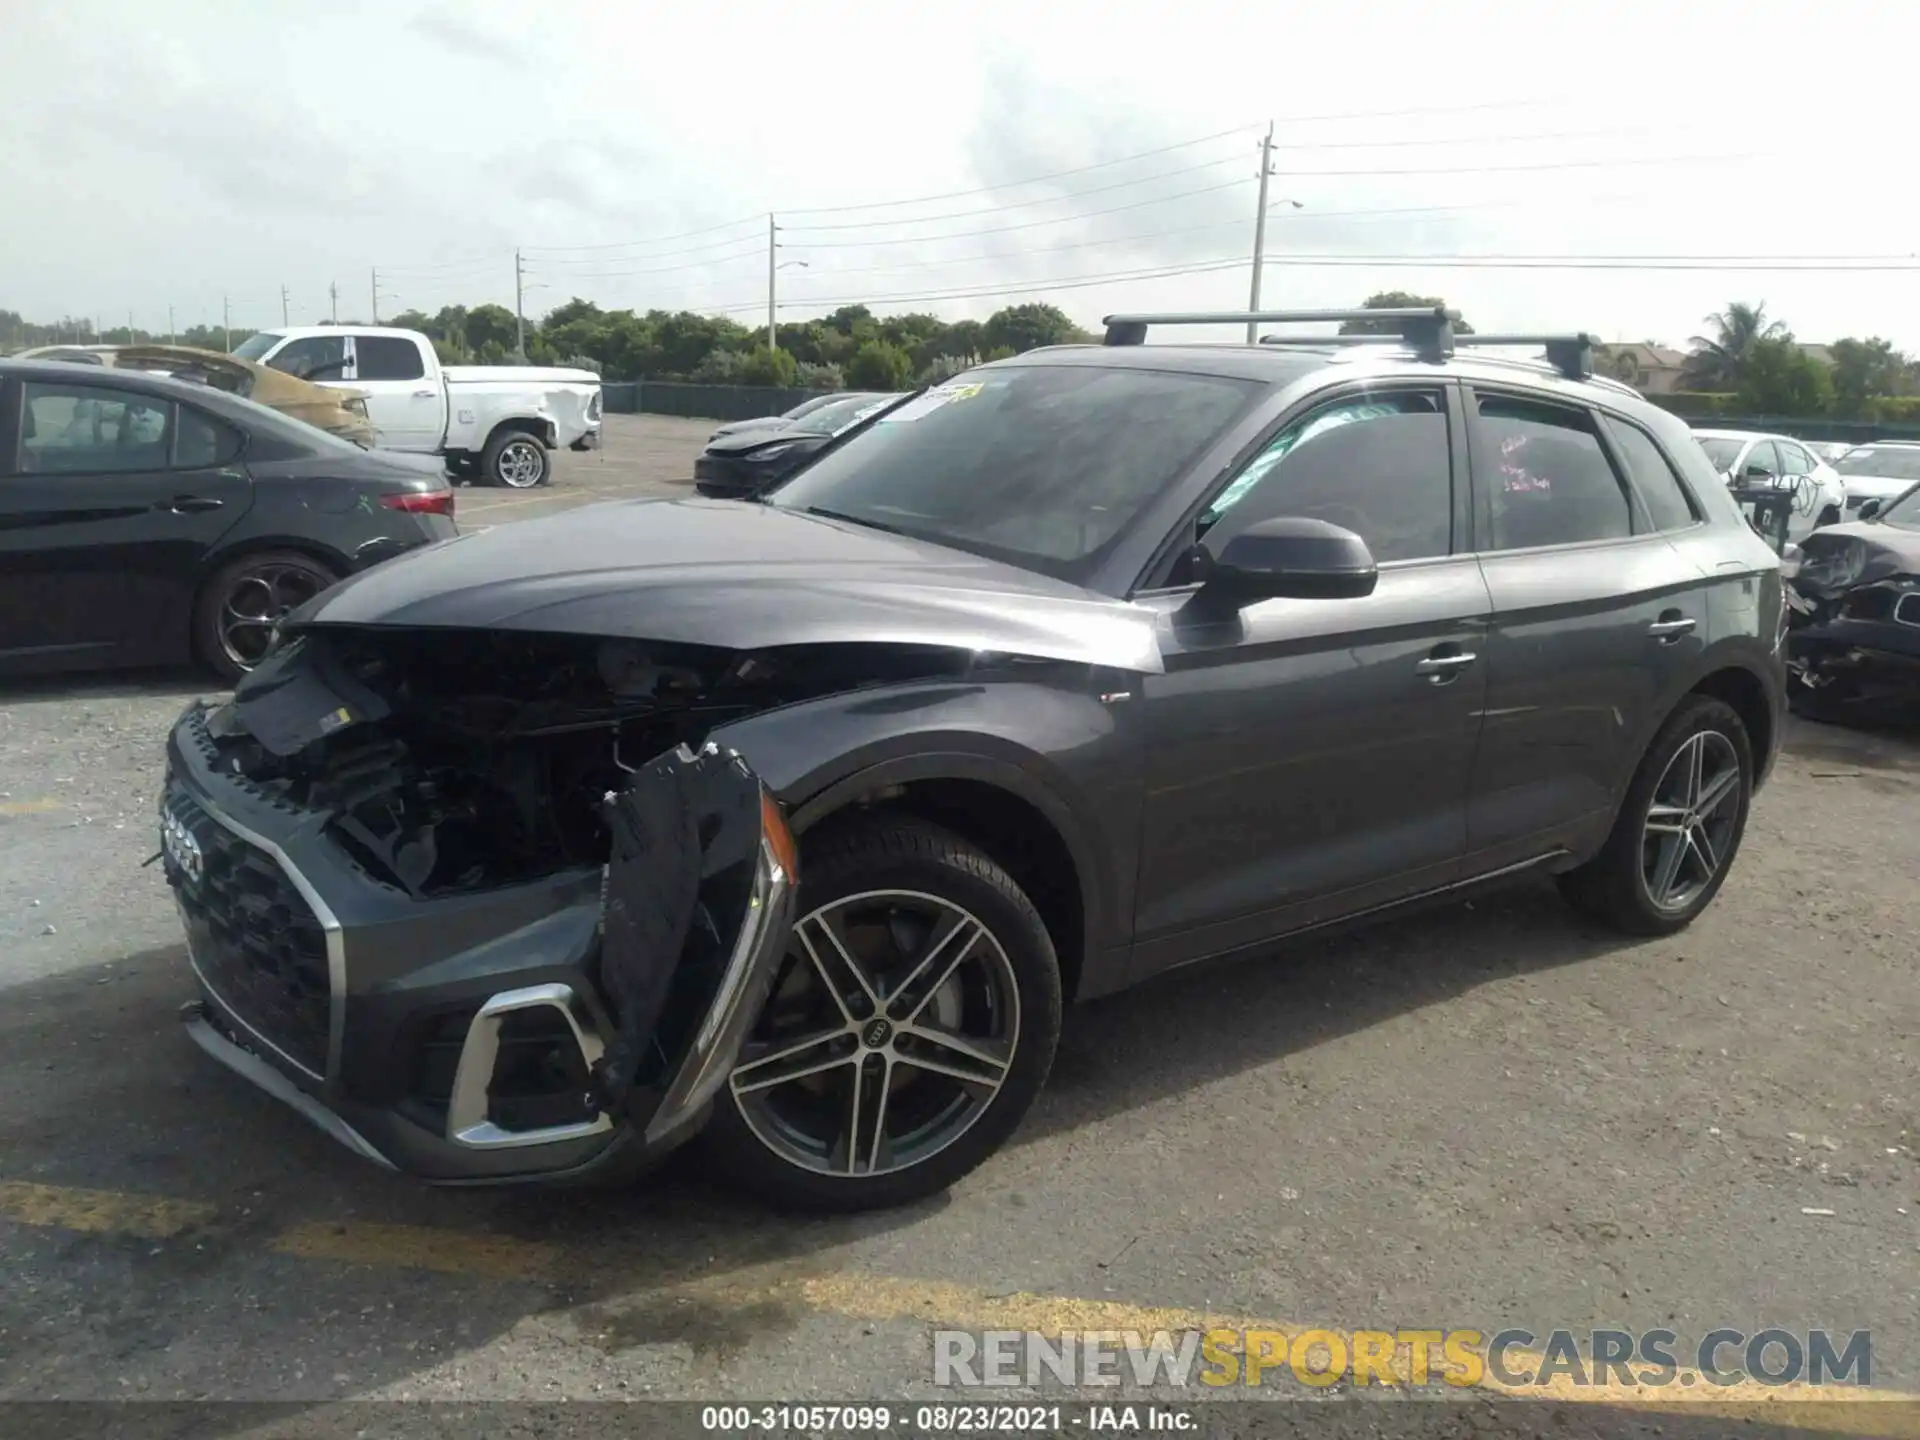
(1487, 1116)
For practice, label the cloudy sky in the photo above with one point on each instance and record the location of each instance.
(955, 158)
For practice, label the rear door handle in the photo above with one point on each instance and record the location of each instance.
(189, 504)
(1670, 627)
(1442, 668)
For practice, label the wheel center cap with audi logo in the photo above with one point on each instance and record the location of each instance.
(181, 848)
(877, 1033)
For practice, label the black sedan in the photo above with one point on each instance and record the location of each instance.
(144, 521)
(1855, 623)
(749, 462)
(774, 422)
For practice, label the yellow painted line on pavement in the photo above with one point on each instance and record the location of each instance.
(28, 807)
(100, 1212)
(420, 1247)
(936, 1303)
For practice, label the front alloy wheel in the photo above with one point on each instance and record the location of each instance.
(888, 1035)
(911, 1024)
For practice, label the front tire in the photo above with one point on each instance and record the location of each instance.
(1679, 828)
(239, 605)
(912, 1024)
(516, 460)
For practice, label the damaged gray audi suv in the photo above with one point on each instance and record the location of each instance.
(791, 825)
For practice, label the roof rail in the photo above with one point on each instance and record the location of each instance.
(1571, 355)
(1428, 329)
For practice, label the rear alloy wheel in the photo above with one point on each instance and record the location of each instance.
(239, 607)
(912, 1023)
(515, 459)
(1679, 829)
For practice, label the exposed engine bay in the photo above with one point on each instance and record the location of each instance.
(1855, 610)
(452, 761)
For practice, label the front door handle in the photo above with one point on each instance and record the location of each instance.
(425, 394)
(1442, 668)
(1671, 626)
(189, 504)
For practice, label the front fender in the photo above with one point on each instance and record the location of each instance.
(1056, 748)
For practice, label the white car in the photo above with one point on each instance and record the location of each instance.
(493, 423)
(1751, 458)
(1830, 450)
(1883, 470)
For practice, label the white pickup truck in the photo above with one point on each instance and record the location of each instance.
(494, 423)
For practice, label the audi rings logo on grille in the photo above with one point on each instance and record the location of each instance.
(182, 850)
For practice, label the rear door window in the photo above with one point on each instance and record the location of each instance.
(387, 357)
(1543, 476)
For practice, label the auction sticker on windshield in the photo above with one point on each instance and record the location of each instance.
(938, 396)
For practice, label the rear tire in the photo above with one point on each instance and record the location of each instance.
(516, 460)
(238, 605)
(1652, 875)
(995, 1014)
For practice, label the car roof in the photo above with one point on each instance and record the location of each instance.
(304, 332)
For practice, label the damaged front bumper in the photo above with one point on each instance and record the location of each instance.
(1866, 636)
(541, 1030)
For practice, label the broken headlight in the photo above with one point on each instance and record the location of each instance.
(1828, 569)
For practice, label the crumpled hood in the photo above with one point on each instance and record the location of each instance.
(742, 441)
(1860, 552)
(740, 577)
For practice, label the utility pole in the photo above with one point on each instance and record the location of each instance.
(333, 295)
(772, 269)
(373, 288)
(226, 333)
(173, 335)
(283, 305)
(1260, 230)
(133, 336)
(519, 305)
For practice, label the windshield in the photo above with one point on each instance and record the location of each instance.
(254, 346)
(1040, 465)
(1893, 463)
(1904, 512)
(840, 414)
(807, 407)
(1720, 450)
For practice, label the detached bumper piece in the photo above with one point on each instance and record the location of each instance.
(537, 1032)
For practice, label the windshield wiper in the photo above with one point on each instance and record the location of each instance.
(825, 514)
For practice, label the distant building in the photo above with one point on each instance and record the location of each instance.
(1651, 369)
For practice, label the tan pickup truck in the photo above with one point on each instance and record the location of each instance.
(338, 412)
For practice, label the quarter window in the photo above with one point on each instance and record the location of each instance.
(90, 430)
(387, 357)
(1545, 477)
(201, 442)
(1793, 460)
(1660, 489)
(1378, 465)
(1760, 461)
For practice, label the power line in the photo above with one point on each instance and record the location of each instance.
(1025, 224)
(1019, 204)
(1029, 180)
(1383, 261)
(757, 253)
(655, 240)
(1516, 169)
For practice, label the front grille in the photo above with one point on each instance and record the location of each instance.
(256, 941)
(1907, 612)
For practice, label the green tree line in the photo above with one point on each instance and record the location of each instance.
(1745, 363)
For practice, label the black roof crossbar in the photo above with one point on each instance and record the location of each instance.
(1571, 355)
(1428, 329)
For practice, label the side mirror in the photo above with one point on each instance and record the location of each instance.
(1868, 509)
(1288, 558)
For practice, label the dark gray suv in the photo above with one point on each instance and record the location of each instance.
(793, 824)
